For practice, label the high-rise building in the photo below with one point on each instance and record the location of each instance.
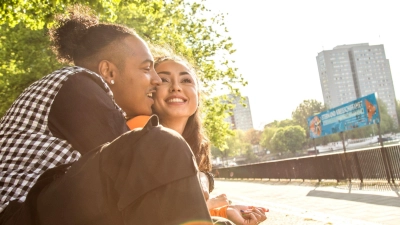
(348, 72)
(241, 116)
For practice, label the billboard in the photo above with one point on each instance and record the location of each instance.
(361, 112)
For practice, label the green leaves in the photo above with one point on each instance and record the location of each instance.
(188, 28)
(217, 129)
(26, 57)
(282, 139)
(306, 109)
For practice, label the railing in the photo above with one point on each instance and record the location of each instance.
(379, 163)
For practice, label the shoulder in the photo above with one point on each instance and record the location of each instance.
(81, 77)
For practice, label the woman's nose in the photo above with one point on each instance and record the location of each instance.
(175, 87)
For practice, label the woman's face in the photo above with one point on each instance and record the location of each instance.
(177, 96)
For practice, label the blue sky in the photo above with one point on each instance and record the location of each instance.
(277, 42)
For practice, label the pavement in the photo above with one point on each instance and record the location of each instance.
(317, 203)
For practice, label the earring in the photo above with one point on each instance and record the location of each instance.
(112, 82)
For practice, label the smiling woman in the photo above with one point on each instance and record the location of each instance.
(67, 156)
(176, 102)
(177, 96)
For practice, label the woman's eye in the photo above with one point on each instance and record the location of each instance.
(187, 80)
(164, 79)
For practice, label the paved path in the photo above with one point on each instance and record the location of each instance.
(298, 202)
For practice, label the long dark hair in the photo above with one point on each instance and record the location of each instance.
(193, 133)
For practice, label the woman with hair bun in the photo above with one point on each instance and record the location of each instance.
(66, 154)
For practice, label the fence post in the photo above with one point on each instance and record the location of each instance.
(348, 171)
(315, 147)
(344, 146)
(317, 167)
(384, 156)
(345, 168)
(360, 175)
(336, 161)
(389, 162)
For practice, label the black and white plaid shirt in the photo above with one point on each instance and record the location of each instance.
(27, 146)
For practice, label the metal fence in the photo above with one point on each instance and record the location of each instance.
(379, 163)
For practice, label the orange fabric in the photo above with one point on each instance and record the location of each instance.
(137, 121)
(221, 211)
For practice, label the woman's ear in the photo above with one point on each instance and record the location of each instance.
(108, 71)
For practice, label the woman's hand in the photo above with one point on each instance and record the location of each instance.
(249, 215)
(218, 201)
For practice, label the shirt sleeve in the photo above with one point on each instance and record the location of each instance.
(84, 114)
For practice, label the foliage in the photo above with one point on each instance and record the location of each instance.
(276, 142)
(250, 156)
(306, 109)
(295, 136)
(266, 137)
(217, 129)
(252, 136)
(289, 138)
(37, 15)
(236, 143)
(386, 123)
(270, 130)
(187, 27)
(26, 57)
(281, 123)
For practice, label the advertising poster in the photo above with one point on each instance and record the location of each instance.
(361, 112)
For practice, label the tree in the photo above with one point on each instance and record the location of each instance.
(250, 156)
(266, 137)
(237, 144)
(26, 57)
(306, 109)
(386, 123)
(270, 129)
(217, 129)
(253, 136)
(276, 142)
(295, 136)
(187, 27)
(289, 138)
(285, 123)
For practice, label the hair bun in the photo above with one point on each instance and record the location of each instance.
(69, 30)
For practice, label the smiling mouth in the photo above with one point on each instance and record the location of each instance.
(150, 95)
(178, 100)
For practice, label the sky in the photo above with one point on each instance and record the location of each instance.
(277, 43)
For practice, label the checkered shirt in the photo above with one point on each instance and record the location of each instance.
(27, 147)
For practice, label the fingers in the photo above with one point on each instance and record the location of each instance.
(221, 196)
(262, 209)
(260, 214)
(217, 201)
(224, 198)
(253, 219)
(254, 214)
